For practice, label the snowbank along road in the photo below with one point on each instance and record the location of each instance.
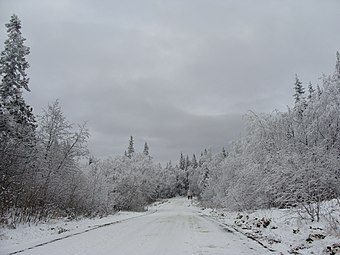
(175, 228)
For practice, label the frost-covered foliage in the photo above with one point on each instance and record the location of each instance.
(132, 183)
(50, 182)
(60, 147)
(285, 159)
(17, 123)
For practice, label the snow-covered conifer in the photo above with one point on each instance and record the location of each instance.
(14, 80)
(311, 90)
(146, 149)
(182, 162)
(194, 162)
(299, 90)
(17, 123)
(131, 149)
(187, 162)
(319, 91)
(337, 67)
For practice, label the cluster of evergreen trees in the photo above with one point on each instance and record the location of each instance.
(192, 174)
(129, 182)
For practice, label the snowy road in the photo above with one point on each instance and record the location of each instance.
(176, 228)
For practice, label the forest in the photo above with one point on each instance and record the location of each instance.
(284, 159)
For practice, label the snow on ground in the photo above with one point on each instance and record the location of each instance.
(176, 227)
(29, 235)
(284, 230)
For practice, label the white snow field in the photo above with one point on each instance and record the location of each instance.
(175, 228)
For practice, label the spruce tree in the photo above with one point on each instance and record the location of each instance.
(14, 80)
(194, 162)
(299, 90)
(337, 67)
(17, 123)
(182, 162)
(146, 149)
(201, 161)
(319, 91)
(311, 90)
(131, 149)
(187, 162)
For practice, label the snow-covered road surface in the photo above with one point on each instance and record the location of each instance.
(176, 228)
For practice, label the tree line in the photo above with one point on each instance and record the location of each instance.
(285, 159)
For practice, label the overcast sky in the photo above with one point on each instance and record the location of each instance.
(178, 74)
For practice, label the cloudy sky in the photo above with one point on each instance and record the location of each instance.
(179, 73)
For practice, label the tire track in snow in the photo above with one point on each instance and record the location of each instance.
(82, 232)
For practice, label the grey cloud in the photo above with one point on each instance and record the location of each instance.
(179, 74)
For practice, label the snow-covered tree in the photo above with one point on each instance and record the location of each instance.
(17, 123)
(311, 91)
(182, 162)
(336, 75)
(60, 148)
(14, 80)
(187, 162)
(131, 149)
(146, 149)
(194, 161)
(319, 91)
(299, 90)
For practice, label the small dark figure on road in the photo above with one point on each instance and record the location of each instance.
(189, 194)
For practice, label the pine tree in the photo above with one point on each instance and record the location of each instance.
(201, 161)
(187, 162)
(182, 162)
(337, 67)
(311, 90)
(17, 123)
(299, 90)
(205, 178)
(131, 149)
(13, 67)
(146, 149)
(319, 90)
(194, 162)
